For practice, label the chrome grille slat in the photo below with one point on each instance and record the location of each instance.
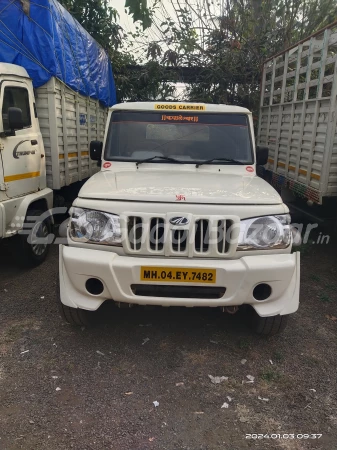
(201, 237)
(179, 240)
(156, 236)
(135, 232)
(157, 224)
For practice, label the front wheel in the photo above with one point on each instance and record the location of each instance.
(268, 326)
(76, 316)
(32, 244)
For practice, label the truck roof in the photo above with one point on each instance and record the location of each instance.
(180, 107)
(13, 69)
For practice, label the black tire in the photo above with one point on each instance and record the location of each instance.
(32, 254)
(268, 326)
(74, 316)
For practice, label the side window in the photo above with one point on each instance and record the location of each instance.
(19, 98)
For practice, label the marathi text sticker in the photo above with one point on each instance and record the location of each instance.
(180, 118)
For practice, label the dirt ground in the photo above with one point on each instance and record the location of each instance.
(64, 388)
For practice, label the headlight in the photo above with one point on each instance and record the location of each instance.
(95, 227)
(265, 233)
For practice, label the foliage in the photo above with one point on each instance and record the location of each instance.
(139, 11)
(224, 41)
(143, 85)
(99, 19)
(227, 41)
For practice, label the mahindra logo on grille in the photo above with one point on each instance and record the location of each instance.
(179, 221)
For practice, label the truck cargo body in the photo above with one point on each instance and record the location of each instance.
(68, 122)
(298, 116)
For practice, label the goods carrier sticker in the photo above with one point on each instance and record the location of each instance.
(178, 107)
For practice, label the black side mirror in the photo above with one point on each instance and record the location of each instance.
(15, 118)
(261, 155)
(96, 148)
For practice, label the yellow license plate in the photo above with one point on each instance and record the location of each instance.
(177, 275)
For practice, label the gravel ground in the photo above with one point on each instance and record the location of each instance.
(64, 388)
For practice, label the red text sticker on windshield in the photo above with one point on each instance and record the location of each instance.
(250, 169)
(106, 165)
(180, 198)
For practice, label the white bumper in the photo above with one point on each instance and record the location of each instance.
(239, 277)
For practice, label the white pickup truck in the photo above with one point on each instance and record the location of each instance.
(178, 217)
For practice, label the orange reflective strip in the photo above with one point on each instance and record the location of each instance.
(73, 155)
(21, 176)
(293, 168)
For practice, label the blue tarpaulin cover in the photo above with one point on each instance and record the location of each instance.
(42, 37)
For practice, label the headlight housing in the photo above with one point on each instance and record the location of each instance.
(95, 227)
(264, 233)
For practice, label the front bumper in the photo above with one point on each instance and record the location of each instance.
(239, 277)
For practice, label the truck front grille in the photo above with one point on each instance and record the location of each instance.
(202, 237)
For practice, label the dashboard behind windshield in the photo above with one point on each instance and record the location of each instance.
(189, 137)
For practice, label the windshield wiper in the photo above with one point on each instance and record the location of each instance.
(166, 158)
(230, 160)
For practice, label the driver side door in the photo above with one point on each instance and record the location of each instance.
(20, 153)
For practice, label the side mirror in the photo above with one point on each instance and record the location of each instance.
(96, 148)
(261, 155)
(15, 118)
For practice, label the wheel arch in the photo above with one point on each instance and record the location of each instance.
(16, 210)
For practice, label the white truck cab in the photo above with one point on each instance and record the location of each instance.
(178, 217)
(23, 187)
(44, 143)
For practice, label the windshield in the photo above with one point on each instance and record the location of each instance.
(189, 138)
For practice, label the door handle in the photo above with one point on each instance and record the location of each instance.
(33, 142)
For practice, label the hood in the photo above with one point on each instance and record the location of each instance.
(189, 187)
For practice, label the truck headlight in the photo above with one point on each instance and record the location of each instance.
(265, 233)
(96, 227)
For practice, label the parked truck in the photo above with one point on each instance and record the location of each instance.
(178, 217)
(56, 85)
(298, 118)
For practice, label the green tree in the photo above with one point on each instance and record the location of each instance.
(227, 41)
(99, 19)
(139, 11)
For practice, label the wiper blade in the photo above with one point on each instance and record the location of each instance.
(230, 160)
(166, 158)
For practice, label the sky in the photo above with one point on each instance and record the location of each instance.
(125, 20)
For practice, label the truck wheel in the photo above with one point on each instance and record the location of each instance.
(268, 326)
(31, 252)
(75, 316)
